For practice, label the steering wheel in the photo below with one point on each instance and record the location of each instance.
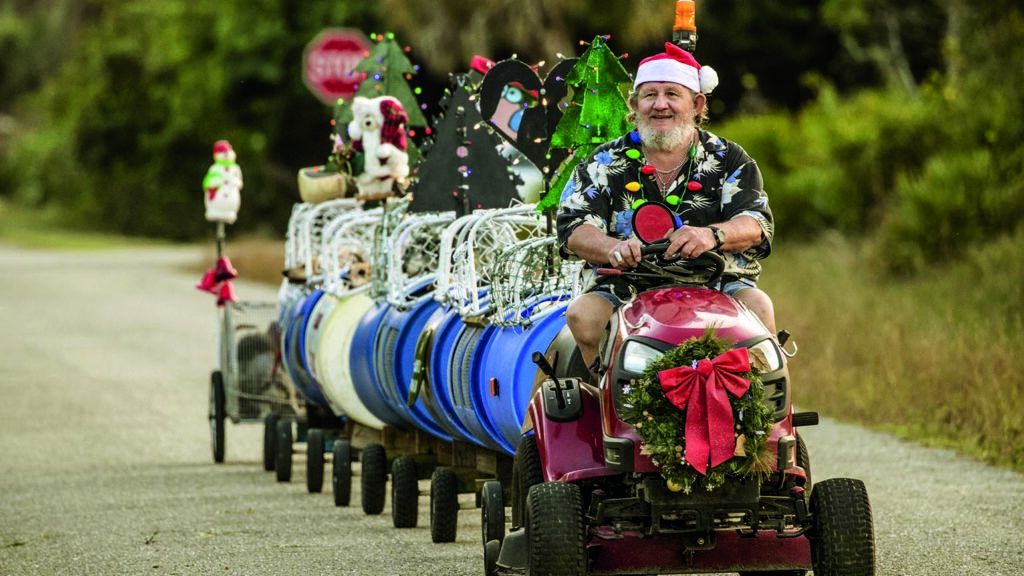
(708, 260)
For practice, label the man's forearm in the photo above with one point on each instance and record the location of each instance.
(741, 233)
(589, 243)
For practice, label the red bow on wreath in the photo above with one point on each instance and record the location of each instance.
(709, 421)
(217, 280)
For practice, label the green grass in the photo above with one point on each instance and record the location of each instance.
(44, 229)
(931, 358)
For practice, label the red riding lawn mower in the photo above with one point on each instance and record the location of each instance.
(589, 498)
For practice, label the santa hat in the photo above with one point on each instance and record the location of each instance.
(678, 66)
(395, 120)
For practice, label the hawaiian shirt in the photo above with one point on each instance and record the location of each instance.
(719, 183)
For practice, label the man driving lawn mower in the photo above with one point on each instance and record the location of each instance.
(712, 185)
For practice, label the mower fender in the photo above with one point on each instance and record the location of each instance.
(570, 450)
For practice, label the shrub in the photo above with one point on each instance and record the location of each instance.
(835, 164)
(957, 201)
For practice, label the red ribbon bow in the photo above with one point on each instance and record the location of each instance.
(709, 421)
(217, 280)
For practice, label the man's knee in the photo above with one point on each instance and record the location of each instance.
(759, 303)
(755, 296)
(587, 316)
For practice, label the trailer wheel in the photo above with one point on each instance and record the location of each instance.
(218, 413)
(341, 472)
(526, 473)
(444, 505)
(283, 451)
(374, 478)
(842, 540)
(405, 493)
(491, 552)
(554, 530)
(315, 460)
(269, 445)
(492, 511)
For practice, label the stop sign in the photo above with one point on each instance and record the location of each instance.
(329, 62)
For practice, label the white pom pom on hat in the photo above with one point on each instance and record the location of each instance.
(708, 79)
(678, 66)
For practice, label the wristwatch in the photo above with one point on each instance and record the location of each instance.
(719, 235)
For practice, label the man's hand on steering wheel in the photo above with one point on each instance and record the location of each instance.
(689, 242)
(625, 254)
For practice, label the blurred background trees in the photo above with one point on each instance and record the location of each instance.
(899, 119)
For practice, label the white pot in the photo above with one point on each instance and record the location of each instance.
(317, 185)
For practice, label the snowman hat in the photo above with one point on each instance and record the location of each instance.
(221, 146)
(678, 66)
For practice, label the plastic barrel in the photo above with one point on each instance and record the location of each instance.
(315, 325)
(363, 369)
(332, 360)
(504, 373)
(437, 398)
(293, 350)
(395, 351)
(465, 343)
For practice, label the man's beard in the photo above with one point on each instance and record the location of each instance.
(663, 141)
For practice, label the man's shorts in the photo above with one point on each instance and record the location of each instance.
(729, 288)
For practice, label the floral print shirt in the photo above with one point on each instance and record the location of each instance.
(719, 183)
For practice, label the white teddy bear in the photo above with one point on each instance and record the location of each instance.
(378, 130)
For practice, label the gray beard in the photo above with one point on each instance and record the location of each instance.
(663, 141)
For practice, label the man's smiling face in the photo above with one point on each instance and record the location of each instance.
(665, 113)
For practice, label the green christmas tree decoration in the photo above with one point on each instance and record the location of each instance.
(597, 113)
(387, 69)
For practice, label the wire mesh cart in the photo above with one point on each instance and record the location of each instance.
(249, 385)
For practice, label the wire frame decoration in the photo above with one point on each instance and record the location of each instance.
(485, 240)
(448, 291)
(527, 277)
(413, 255)
(394, 211)
(345, 252)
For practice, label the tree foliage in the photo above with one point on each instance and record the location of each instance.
(930, 172)
(125, 127)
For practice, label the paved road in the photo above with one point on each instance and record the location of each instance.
(104, 361)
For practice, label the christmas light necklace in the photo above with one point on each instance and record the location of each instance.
(665, 186)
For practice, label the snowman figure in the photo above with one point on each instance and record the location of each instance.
(223, 185)
(377, 130)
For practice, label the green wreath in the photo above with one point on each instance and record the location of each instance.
(661, 425)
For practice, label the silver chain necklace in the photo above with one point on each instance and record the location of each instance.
(664, 186)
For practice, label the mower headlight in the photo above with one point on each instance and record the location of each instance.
(768, 352)
(636, 356)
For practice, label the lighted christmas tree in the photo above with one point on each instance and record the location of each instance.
(596, 114)
(387, 72)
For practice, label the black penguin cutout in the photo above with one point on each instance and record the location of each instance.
(524, 109)
(556, 92)
(463, 170)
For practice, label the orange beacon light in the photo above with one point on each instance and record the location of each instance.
(684, 31)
